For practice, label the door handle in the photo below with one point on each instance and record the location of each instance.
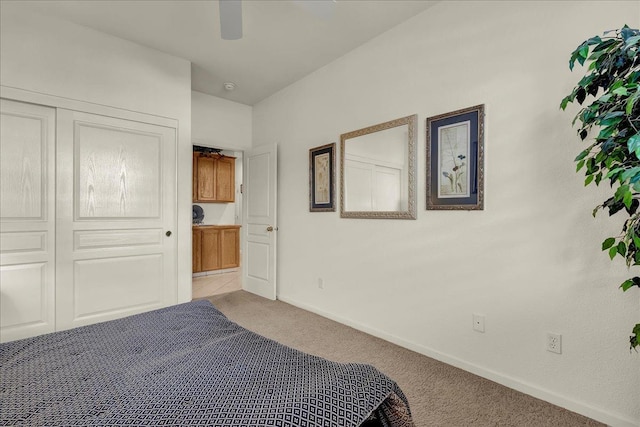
(269, 228)
(168, 233)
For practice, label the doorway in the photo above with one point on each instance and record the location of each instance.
(217, 277)
(258, 221)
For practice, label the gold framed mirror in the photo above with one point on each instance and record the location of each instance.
(378, 170)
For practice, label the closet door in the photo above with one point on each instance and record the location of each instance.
(116, 218)
(27, 220)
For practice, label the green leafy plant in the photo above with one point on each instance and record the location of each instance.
(613, 118)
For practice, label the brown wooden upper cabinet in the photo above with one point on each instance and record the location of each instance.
(213, 178)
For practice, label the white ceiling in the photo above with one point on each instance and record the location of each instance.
(283, 40)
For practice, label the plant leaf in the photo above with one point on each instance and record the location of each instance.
(627, 199)
(631, 41)
(613, 172)
(626, 285)
(613, 252)
(583, 53)
(582, 155)
(594, 40)
(608, 243)
(633, 144)
(598, 178)
(621, 248)
(621, 192)
(622, 91)
(606, 132)
(605, 98)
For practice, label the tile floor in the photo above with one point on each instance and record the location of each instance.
(215, 284)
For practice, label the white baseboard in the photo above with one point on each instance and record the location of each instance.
(511, 382)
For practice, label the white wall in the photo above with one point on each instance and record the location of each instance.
(530, 262)
(53, 57)
(220, 123)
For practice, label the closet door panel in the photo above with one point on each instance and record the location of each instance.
(103, 283)
(22, 170)
(24, 294)
(27, 220)
(116, 218)
(118, 173)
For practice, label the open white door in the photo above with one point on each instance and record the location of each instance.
(260, 222)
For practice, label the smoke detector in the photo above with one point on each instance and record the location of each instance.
(229, 86)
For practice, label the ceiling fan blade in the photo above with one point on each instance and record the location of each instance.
(230, 19)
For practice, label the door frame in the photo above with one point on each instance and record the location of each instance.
(84, 106)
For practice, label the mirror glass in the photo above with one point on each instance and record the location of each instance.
(377, 167)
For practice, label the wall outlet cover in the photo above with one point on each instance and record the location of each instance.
(478, 322)
(554, 343)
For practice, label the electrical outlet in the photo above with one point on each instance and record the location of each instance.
(554, 343)
(320, 283)
(478, 322)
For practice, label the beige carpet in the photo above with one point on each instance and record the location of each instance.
(439, 394)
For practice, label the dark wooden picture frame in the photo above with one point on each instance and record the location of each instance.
(455, 160)
(322, 178)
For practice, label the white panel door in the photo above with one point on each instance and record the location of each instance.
(27, 220)
(387, 193)
(260, 238)
(358, 186)
(116, 212)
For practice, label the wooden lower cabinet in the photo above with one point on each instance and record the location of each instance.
(229, 247)
(211, 250)
(197, 253)
(216, 247)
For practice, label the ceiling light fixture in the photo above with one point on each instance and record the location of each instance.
(229, 86)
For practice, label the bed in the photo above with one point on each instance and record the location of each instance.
(184, 365)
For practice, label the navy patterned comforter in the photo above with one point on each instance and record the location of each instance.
(185, 365)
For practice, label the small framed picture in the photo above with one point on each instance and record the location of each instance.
(455, 160)
(322, 178)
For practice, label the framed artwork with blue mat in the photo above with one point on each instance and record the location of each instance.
(455, 160)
